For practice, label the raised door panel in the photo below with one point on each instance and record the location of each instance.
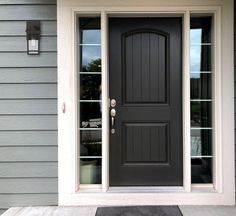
(145, 143)
(144, 64)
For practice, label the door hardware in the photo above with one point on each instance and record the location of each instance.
(113, 102)
(113, 114)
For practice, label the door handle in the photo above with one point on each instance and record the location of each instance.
(113, 114)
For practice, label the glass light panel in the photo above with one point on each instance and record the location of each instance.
(201, 170)
(90, 143)
(90, 58)
(90, 87)
(201, 98)
(200, 57)
(90, 171)
(201, 114)
(90, 32)
(201, 142)
(90, 115)
(201, 86)
(89, 101)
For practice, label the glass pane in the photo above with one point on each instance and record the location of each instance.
(200, 85)
(90, 143)
(90, 32)
(90, 115)
(90, 171)
(201, 170)
(201, 90)
(201, 142)
(200, 29)
(90, 87)
(89, 95)
(90, 58)
(196, 36)
(201, 114)
(200, 57)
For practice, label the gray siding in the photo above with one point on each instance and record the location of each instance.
(235, 73)
(28, 106)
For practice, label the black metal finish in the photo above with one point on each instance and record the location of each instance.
(33, 31)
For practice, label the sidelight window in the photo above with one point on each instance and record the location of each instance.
(201, 45)
(89, 100)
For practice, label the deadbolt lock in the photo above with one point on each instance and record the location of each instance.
(113, 102)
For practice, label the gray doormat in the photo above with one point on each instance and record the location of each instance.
(139, 211)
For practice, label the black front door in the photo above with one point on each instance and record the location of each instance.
(145, 80)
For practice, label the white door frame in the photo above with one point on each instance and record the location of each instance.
(223, 190)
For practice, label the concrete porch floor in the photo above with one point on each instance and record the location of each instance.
(91, 211)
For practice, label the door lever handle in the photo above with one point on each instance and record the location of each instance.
(113, 114)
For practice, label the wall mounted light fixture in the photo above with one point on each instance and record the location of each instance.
(33, 37)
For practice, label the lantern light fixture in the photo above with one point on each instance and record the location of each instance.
(33, 37)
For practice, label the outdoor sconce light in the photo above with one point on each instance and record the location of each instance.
(33, 36)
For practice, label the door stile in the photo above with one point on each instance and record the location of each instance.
(105, 102)
(186, 103)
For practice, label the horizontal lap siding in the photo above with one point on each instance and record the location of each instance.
(28, 106)
(27, 12)
(29, 185)
(235, 72)
(32, 106)
(18, 44)
(28, 75)
(26, 91)
(28, 170)
(17, 28)
(28, 138)
(12, 2)
(39, 199)
(21, 59)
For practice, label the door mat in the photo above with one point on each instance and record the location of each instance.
(139, 211)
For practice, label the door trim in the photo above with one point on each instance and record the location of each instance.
(223, 191)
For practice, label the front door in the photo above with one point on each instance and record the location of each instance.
(145, 80)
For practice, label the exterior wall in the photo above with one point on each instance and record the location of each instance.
(235, 74)
(28, 106)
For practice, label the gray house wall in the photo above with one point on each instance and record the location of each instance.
(235, 78)
(28, 106)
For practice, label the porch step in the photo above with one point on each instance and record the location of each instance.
(51, 211)
(91, 211)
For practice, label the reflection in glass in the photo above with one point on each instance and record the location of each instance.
(90, 58)
(90, 87)
(201, 170)
(200, 40)
(200, 57)
(90, 36)
(200, 29)
(201, 114)
(201, 97)
(90, 143)
(90, 32)
(90, 171)
(201, 142)
(89, 52)
(196, 36)
(200, 85)
(90, 115)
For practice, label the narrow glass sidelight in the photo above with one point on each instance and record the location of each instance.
(89, 100)
(201, 46)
